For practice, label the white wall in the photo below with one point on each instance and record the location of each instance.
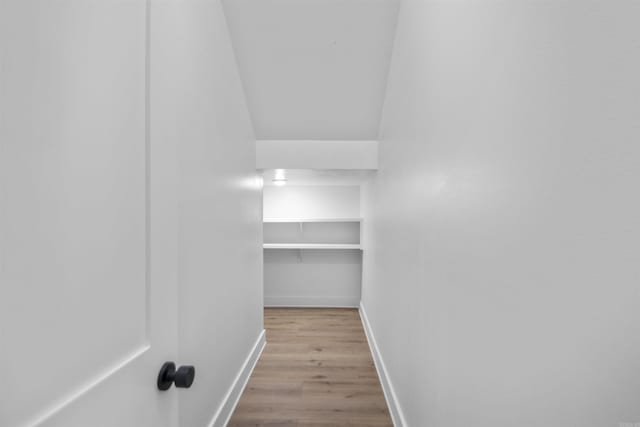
(312, 278)
(502, 266)
(198, 101)
(322, 201)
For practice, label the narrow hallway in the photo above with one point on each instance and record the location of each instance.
(320, 213)
(316, 370)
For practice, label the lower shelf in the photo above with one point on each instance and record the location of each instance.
(311, 246)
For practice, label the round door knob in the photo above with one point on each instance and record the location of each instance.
(182, 377)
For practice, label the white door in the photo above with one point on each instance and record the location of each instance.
(87, 220)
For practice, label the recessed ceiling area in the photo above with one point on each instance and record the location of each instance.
(313, 69)
(307, 177)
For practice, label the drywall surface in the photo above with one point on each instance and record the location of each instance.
(312, 201)
(317, 155)
(312, 278)
(501, 262)
(197, 99)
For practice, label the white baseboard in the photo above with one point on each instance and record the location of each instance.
(224, 412)
(312, 301)
(389, 394)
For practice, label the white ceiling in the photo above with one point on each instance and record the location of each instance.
(313, 69)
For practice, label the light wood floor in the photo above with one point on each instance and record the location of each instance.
(316, 370)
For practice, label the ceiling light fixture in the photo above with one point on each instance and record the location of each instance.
(279, 178)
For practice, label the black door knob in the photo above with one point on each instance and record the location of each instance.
(182, 378)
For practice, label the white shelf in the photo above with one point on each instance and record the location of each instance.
(311, 246)
(296, 220)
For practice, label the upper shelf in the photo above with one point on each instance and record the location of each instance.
(271, 220)
(311, 246)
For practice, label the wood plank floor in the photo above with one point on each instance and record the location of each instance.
(316, 371)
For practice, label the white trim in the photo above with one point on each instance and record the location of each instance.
(231, 399)
(389, 394)
(312, 301)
